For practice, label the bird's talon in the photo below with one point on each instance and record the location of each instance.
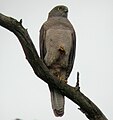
(61, 49)
(65, 81)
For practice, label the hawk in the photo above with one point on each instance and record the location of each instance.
(57, 50)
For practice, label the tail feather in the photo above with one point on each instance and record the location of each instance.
(57, 101)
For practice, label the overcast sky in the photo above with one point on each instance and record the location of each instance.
(22, 94)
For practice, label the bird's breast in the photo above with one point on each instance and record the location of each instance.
(58, 39)
(58, 44)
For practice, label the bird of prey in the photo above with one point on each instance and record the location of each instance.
(57, 50)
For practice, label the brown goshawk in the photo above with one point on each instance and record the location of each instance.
(57, 50)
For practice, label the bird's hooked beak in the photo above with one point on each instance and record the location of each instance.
(66, 10)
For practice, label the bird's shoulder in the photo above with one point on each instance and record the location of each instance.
(57, 22)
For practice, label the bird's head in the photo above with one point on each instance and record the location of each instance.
(59, 11)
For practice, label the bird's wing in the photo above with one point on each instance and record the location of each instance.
(42, 42)
(72, 55)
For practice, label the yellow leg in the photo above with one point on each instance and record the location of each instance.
(62, 50)
(62, 79)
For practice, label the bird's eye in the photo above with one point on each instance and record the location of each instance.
(59, 8)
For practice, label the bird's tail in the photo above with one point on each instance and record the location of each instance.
(57, 101)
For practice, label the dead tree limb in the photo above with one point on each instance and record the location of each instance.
(91, 111)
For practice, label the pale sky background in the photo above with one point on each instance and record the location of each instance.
(22, 94)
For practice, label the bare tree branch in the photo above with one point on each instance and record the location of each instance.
(91, 111)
